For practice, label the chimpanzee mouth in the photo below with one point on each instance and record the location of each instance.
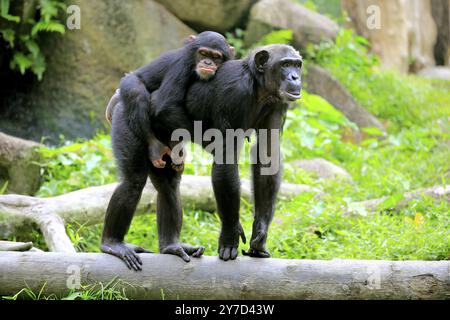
(292, 96)
(207, 70)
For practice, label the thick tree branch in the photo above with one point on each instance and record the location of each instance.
(88, 206)
(211, 278)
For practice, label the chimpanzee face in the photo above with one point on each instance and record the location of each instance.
(210, 50)
(282, 71)
(207, 62)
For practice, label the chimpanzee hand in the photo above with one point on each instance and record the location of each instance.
(125, 251)
(229, 242)
(258, 243)
(183, 251)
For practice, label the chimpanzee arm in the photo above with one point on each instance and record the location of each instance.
(266, 174)
(169, 111)
(226, 186)
(137, 100)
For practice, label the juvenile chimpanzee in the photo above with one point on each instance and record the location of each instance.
(171, 74)
(134, 142)
(251, 93)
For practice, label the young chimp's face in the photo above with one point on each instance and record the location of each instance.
(210, 50)
(207, 62)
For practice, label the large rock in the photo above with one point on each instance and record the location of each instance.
(18, 165)
(84, 68)
(441, 73)
(308, 26)
(441, 14)
(322, 168)
(406, 36)
(216, 15)
(320, 82)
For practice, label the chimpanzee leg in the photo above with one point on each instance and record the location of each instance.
(133, 163)
(170, 214)
(266, 184)
(226, 185)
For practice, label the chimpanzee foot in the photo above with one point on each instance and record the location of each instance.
(229, 243)
(228, 252)
(183, 251)
(257, 246)
(125, 251)
(178, 167)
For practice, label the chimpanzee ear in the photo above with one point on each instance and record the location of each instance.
(232, 52)
(261, 59)
(191, 38)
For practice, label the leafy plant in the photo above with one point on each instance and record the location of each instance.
(21, 25)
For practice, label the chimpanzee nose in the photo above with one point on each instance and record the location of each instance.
(294, 77)
(208, 62)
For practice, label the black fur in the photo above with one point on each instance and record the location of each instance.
(250, 93)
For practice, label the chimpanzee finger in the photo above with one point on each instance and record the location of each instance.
(221, 251)
(234, 253)
(134, 264)
(242, 233)
(137, 258)
(142, 250)
(125, 259)
(259, 237)
(199, 252)
(226, 254)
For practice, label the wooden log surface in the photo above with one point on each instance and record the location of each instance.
(211, 278)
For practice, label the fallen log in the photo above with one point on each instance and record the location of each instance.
(211, 278)
(373, 206)
(19, 214)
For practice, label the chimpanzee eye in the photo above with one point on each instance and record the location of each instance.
(286, 65)
(202, 52)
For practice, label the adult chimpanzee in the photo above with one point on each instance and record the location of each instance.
(171, 74)
(134, 143)
(251, 93)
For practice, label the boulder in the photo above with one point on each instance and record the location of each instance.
(322, 168)
(406, 34)
(440, 10)
(84, 68)
(441, 73)
(216, 15)
(307, 26)
(18, 165)
(320, 82)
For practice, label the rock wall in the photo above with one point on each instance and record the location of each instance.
(84, 68)
(441, 14)
(307, 26)
(216, 15)
(407, 35)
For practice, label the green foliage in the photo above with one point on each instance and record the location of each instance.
(388, 95)
(97, 291)
(236, 39)
(21, 31)
(77, 165)
(278, 37)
